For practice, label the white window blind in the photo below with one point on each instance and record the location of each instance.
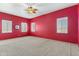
(6, 26)
(33, 27)
(62, 25)
(24, 27)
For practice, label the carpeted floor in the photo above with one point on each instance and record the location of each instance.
(34, 46)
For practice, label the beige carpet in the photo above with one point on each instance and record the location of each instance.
(34, 46)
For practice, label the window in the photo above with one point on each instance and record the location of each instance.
(6, 26)
(62, 25)
(24, 27)
(33, 27)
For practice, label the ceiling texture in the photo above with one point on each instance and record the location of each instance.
(43, 8)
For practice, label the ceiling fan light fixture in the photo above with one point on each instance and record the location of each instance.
(31, 10)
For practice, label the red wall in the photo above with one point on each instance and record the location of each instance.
(78, 24)
(46, 25)
(16, 21)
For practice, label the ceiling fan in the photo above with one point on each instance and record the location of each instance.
(30, 8)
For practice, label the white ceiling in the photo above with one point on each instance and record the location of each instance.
(43, 8)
